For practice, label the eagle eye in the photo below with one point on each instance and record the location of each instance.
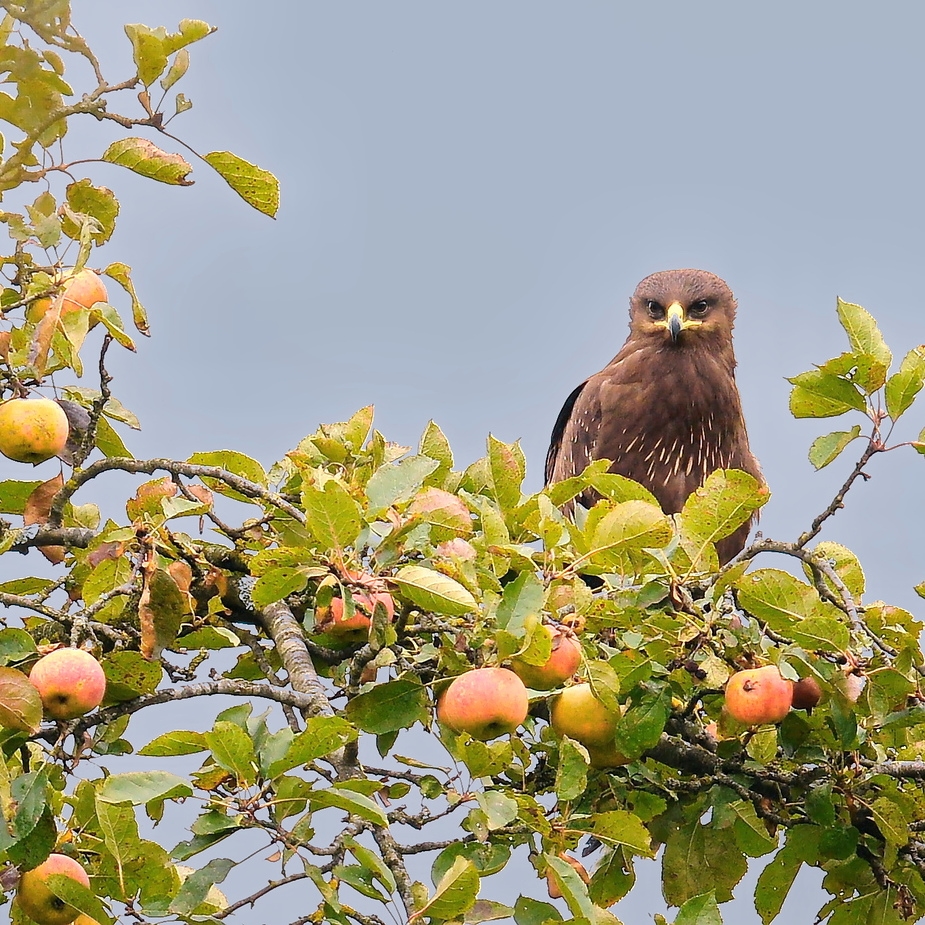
(699, 309)
(656, 311)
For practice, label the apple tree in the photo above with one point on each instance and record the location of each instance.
(341, 594)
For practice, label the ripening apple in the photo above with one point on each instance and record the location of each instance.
(558, 668)
(758, 695)
(333, 619)
(806, 693)
(32, 429)
(578, 714)
(485, 702)
(38, 902)
(606, 756)
(80, 290)
(70, 682)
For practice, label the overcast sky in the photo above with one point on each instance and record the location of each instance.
(470, 193)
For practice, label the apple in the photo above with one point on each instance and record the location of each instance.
(806, 693)
(759, 695)
(606, 756)
(332, 619)
(70, 682)
(558, 668)
(485, 702)
(578, 714)
(80, 290)
(38, 902)
(32, 429)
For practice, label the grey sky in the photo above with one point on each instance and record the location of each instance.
(471, 191)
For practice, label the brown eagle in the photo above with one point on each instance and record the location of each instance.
(665, 409)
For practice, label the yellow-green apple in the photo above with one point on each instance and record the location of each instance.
(32, 429)
(558, 668)
(758, 695)
(70, 682)
(485, 702)
(38, 902)
(578, 714)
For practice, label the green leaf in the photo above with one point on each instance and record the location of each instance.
(196, 886)
(891, 821)
(696, 855)
(147, 159)
(97, 202)
(77, 895)
(389, 707)
(180, 742)
(619, 827)
(148, 52)
(507, 472)
(322, 736)
(434, 591)
(120, 832)
(762, 746)
(177, 70)
(520, 599)
(455, 894)
(572, 887)
(435, 445)
(108, 440)
(122, 274)
(700, 910)
(826, 449)
(237, 464)
(817, 394)
(29, 791)
(277, 584)
(500, 810)
(906, 383)
(356, 804)
(571, 770)
(233, 750)
(777, 598)
(618, 487)
(863, 333)
(725, 501)
(775, 881)
(393, 483)
(643, 723)
(129, 675)
(257, 187)
(13, 496)
(20, 703)
(333, 516)
(825, 633)
(533, 912)
(487, 857)
(137, 787)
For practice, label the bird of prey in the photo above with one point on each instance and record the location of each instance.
(665, 410)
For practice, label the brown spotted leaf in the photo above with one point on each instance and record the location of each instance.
(161, 610)
(37, 509)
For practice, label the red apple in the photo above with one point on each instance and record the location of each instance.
(333, 620)
(759, 695)
(38, 902)
(558, 668)
(578, 714)
(485, 702)
(806, 693)
(69, 681)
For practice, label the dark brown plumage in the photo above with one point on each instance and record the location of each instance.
(666, 409)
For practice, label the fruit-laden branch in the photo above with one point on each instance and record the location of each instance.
(149, 466)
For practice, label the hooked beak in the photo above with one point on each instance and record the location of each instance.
(674, 321)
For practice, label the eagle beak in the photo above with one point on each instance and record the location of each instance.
(674, 321)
